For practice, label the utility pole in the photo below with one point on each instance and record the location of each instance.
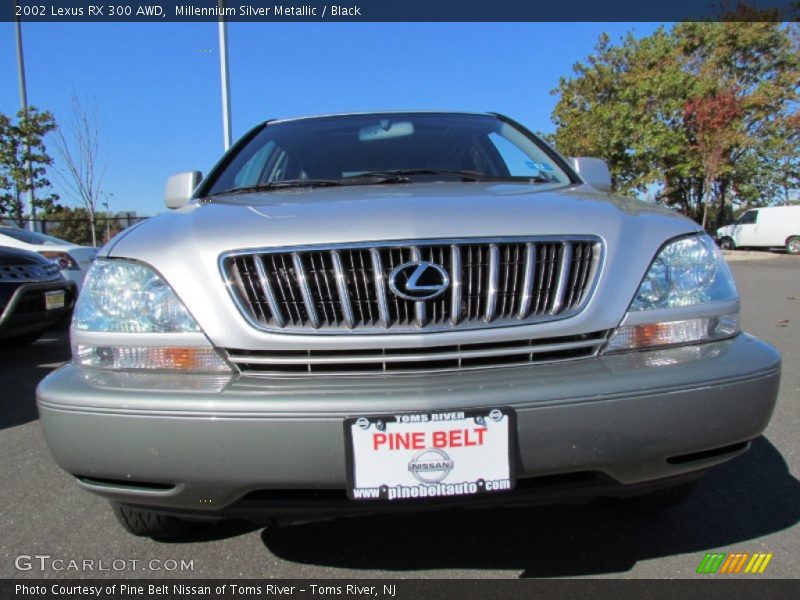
(23, 98)
(223, 73)
(107, 205)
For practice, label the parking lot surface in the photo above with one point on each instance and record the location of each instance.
(751, 504)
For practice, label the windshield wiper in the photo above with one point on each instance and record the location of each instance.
(403, 176)
(377, 177)
(280, 184)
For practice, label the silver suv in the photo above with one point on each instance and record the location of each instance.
(367, 312)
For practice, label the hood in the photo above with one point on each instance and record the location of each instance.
(185, 245)
(393, 212)
(16, 257)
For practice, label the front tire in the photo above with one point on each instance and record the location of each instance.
(145, 523)
(727, 243)
(793, 245)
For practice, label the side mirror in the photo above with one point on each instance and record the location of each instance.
(180, 188)
(593, 171)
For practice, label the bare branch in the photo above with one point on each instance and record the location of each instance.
(81, 154)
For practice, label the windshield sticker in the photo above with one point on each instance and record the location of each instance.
(534, 166)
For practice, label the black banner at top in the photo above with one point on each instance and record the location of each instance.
(393, 10)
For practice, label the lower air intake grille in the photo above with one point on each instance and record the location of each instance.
(415, 360)
(29, 273)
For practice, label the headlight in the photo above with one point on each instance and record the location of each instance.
(129, 297)
(128, 318)
(689, 272)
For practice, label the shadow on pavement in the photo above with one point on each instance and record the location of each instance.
(750, 497)
(212, 532)
(21, 369)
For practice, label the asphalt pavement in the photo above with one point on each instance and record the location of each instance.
(751, 504)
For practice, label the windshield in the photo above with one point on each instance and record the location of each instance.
(352, 149)
(31, 237)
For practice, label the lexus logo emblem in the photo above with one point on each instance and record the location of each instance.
(418, 280)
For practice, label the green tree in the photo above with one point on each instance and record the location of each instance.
(23, 163)
(786, 159)
(621, 105)
(74, 225)
(701, 111)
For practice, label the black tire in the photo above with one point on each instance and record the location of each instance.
(727, 243)
(145, 523)
(793, 245)
(23, 340)
(664, 499)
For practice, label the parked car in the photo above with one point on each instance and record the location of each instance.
(34, 295)
(382, 311)
(766, 227)
(73, 260)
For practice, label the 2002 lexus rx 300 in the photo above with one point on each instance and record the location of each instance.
(401, 310)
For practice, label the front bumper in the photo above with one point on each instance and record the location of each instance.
(26, 312)
(205, 443)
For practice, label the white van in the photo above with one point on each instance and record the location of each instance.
(767, 227)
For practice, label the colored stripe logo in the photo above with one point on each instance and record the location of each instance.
(734, 563)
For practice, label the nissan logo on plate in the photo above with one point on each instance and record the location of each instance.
(431, 465)
(418, 280)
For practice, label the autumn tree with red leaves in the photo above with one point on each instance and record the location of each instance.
(713, 124)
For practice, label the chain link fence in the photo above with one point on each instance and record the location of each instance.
(78, 230)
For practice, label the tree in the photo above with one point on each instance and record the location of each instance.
(622, 105)
(712, 122)
(700, 112)
(83, 159)
(786, 156)
(23, 163)
(73, 224)
(761, 62)
(6, 182)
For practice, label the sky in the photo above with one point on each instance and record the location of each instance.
(157, 86)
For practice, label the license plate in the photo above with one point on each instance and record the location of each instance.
(54, 299)
(415, 456)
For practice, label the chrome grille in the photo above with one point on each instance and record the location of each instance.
(271, 363)
(29, 273)
(345, 288)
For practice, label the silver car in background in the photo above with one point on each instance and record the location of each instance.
(386, 311)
